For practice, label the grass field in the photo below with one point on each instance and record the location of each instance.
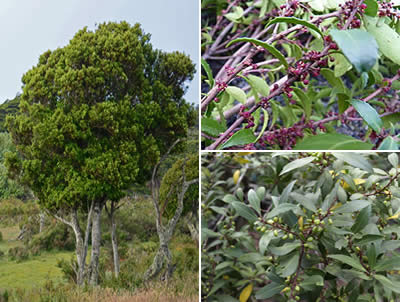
(31, 273)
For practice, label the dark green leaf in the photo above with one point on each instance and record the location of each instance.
(372, 8)
(240, 138)
(305, 101)
(298, 163)
(361, 220)
(356, 160)
(333, 80)
(208, 71)
(264, 242)
(359, 47)
(281, 208)
(349, 261)
(332, 142)
(293, 20)
(254, 201)
(385, 264)
(389, 284)
(286, 192)
(368, 238)
(273, 51)
(211, 127)
(353, 206)
(244, 211)
(290, 266)
(371, 254)
(284, 249)
(389, 144)
(269, 291)
(369, 114)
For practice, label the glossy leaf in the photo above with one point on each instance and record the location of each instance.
(265, 124)
(353, 206)
(269, 291)
(284, 249)
(240, 138)
(244, 211)
(212, 127)
(272, 50)
(208, 71)
(369, 114)
(298, 163)
(259, 84)
(389, 284)
(282, 208)
(254, 201)
(388, 39)
(389, 144)
(359, 47)
(237, 94)
(372, 8)
(349, 261)
(293, 20)
(332, 142)
(361, 220)
(290, 266)
(355, 160)
(264, 242)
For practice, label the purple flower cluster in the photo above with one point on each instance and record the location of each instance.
(347, 10)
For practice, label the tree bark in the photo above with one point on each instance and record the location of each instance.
(114, 241)
(42, 217)
(96, 243)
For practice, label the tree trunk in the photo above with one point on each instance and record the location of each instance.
(80, 249)
(96, 243)
(114, 244)
(158, 262)
(42, 216)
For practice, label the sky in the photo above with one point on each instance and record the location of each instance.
(30, 27)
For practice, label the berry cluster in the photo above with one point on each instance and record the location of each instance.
(290, 8)
(247, 117)
(386, 10)
(348, 9)
(221, 85)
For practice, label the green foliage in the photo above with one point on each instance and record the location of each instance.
(56, 236)
(279, 74)
(9, 107)
(1, 236)
(301, 227)
(171, 186)
(96, 114)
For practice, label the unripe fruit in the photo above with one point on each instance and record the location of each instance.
(276, 233)
(297, 288)
(330, 221)
(275, 219)
(270, 221)
(310, 239)
(317, 221)
(285, 237)
(291, 236)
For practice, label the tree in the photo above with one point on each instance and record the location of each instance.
(177, 185)
(95, 116)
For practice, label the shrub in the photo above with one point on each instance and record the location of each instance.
(313, 75)
(18, 253)
(1, 236)
(301, 227)
(57, 236)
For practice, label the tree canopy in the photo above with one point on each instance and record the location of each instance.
(96, 114)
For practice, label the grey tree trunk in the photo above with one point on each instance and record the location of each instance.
(42, 217)
(96, 243)
(114, 243)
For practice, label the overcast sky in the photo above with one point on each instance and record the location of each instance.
(30, 27)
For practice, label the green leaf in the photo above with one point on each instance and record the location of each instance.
(305, 101)
(290, 266)
(298, 163)
(305, 201)
(333, 80)
(391, 119)
(361, 220)
(359, 47)
(389, 284)
(368, 239)
(273, 51)
(282, 208)
(225, 298)
(211, 127)
(371, 254)
(236, 14)
(389, 144)
(240, 138)
(349, 261)
(388, 39)
(284, 249)
(254, 201)
(352, 206)
(328, 141)
(259, 84)
(394, 160)
(369, 114)
(384, 264)
(317, 280)
(244, 211)
(237, 94)
(269, 291)
(356, 160)
(286, 192)
(265, 124)
(293, 20)
(372, 7)
(264, 242)
(208, 71)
